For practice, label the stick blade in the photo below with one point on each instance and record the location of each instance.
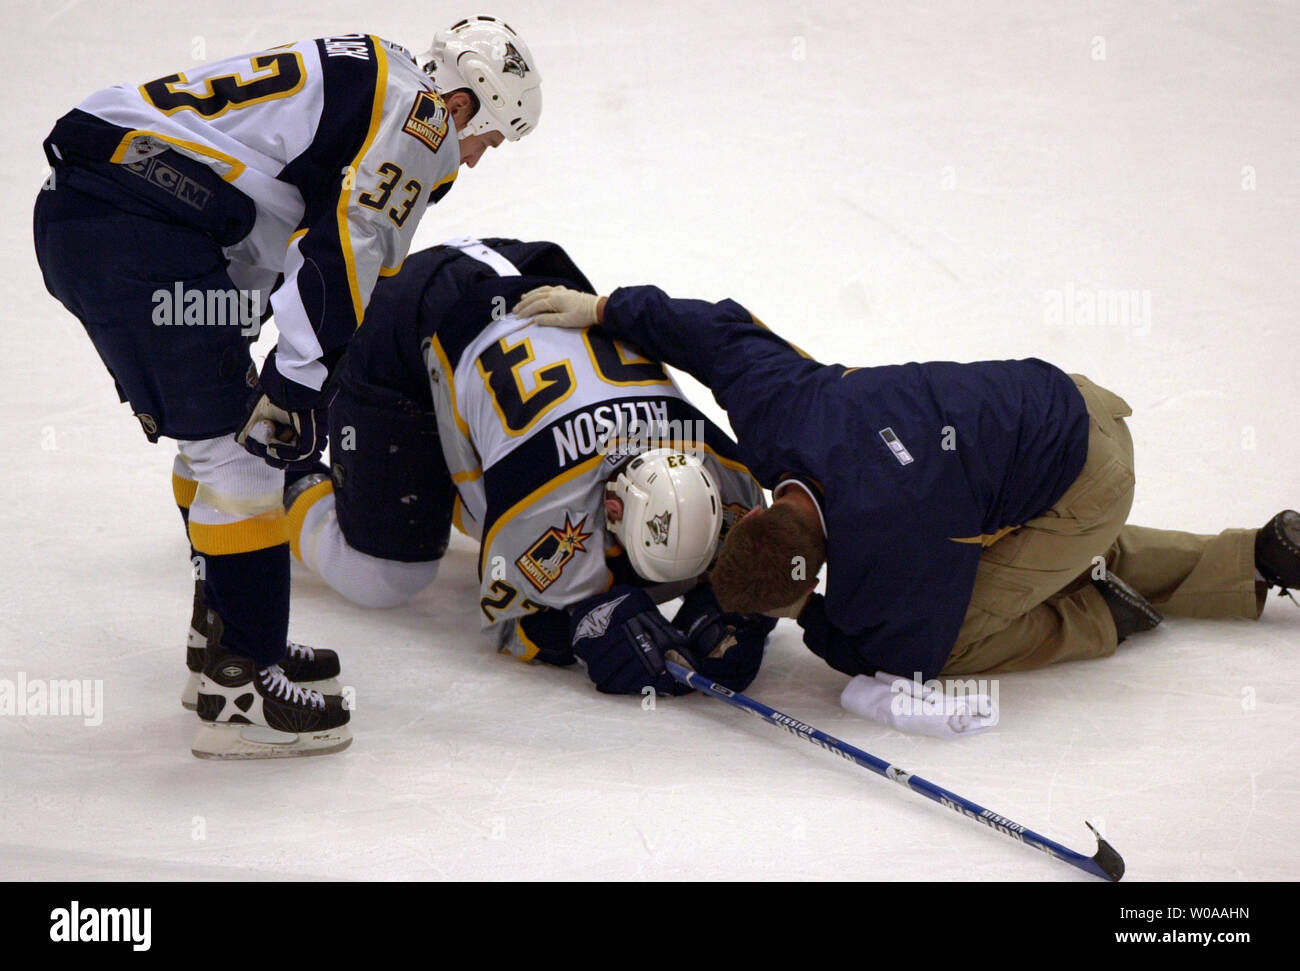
(1108, 861)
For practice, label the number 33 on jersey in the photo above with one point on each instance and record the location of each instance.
(340, 143)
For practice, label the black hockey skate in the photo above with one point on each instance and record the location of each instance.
(313, 668)
(1129, 609)
(1277, 551)
(251, 712)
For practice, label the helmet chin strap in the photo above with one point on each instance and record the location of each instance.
(426, 63)
(480, 123)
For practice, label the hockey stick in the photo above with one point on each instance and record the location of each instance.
(1105, 863)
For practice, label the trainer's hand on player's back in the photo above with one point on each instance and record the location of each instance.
(561, 307)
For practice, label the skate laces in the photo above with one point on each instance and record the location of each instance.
(301, 652)
(275, 682)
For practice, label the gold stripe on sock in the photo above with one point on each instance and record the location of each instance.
(298, 513)
(245, 536)
(183, 489)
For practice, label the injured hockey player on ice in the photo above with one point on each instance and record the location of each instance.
(454, 411)
(597, 490)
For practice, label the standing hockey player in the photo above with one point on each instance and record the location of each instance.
(596, 488)
(971, 516)
(286, 180)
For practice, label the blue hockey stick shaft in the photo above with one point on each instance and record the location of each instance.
(1106, 863)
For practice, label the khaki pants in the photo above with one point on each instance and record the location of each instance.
(1033, 604)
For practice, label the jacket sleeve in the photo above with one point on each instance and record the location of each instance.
(827, 641)
(359, 229)
(913, 644)
(761, 380)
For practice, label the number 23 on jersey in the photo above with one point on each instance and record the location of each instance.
(504, 364)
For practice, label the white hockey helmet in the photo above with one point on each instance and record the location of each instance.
(671, 515)
(486, 56)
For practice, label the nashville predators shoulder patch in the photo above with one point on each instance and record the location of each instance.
(428, 120)
(545, 559)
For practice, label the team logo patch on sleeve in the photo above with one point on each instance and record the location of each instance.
(428, 120)
(546, 558)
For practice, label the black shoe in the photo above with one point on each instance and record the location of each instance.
(1130, 610)
(1277, 550)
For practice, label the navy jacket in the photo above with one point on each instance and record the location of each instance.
(917, 464)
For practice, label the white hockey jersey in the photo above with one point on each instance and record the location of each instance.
(339, 142)
(525, 416)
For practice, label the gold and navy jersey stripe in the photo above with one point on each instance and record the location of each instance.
(324, 174)
(351, 98)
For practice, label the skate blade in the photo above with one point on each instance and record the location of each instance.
(226, 742)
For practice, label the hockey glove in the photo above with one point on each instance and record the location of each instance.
(623, 639)
(287, 422)
(728, 647)
(559, 307)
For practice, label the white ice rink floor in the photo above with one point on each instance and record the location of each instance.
(880, 182)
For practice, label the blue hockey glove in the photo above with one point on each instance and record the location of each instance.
(728, 648)
(623, 639)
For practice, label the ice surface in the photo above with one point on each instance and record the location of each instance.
(880, 182)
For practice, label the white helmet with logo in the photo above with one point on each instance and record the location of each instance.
(671, 515)
(486, 56)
